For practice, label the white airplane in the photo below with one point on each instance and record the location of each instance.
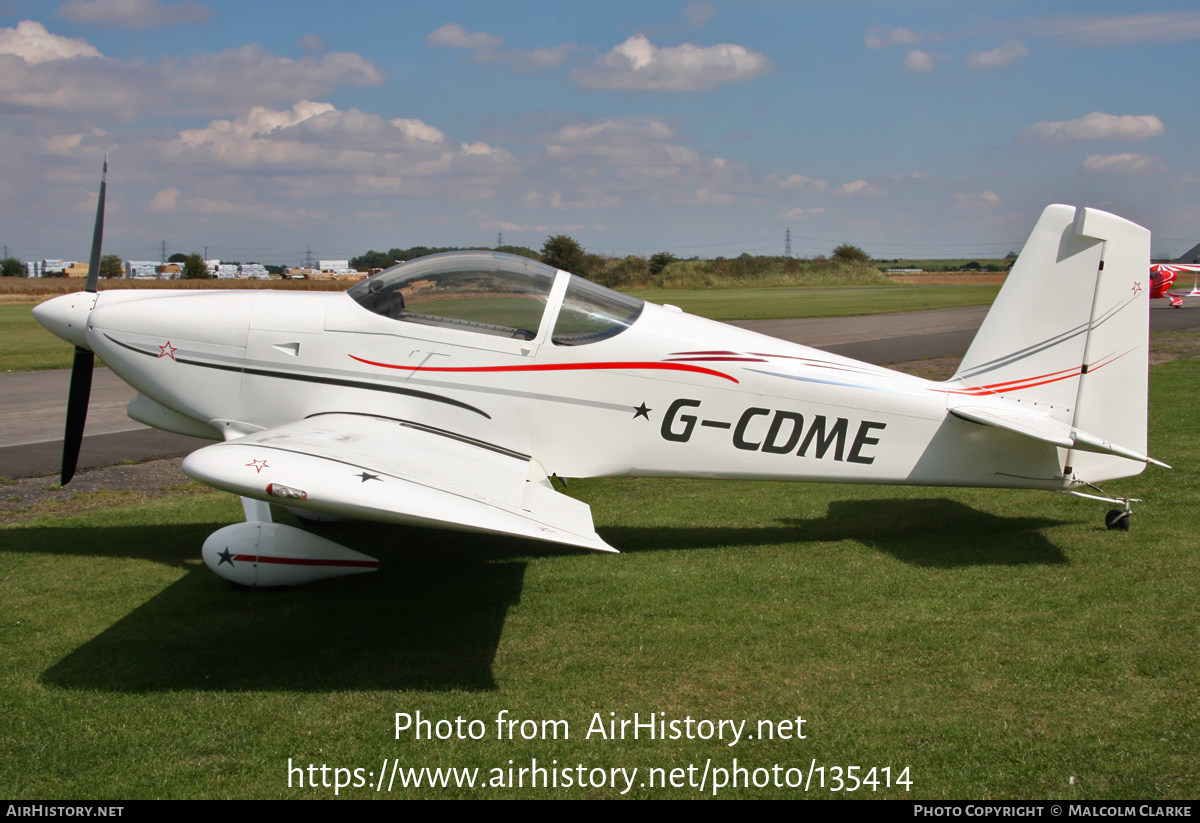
(448, 391)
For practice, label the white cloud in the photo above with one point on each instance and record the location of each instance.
(1122, 163)
(628, 142)
(703, 196)
(878, 37)
(987, 198)
(799, 214)
(37, 72)
(268, 76)
(1094, 126)
(560, 228)
(164, 200)
(259, 121)
(591, 199)
(138, 14)
(32, 43)
(63, 144)
(487, 48)
(257, 212)
(997, 57)
(637, 64)
(370, 184)
(312, 43)
(919, 61)
(798, 182)
(636, 158)
(455, 36)
(860, 187)
(526, 60)
(313, 148)
(1121, 29)
(418, 130)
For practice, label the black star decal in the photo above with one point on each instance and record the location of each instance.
(365, 477)
(226, 557)
(641, 411)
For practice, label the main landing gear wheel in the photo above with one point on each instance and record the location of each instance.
(1117, 519)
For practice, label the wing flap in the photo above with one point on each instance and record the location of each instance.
(375, 468)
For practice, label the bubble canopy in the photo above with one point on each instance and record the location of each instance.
(496, 294)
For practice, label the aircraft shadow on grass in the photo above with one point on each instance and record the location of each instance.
(434, 623)
(433, 617)
(932, 533)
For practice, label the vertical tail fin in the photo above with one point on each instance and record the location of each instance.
(1068, 337)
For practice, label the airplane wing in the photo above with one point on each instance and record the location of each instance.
(376, 468)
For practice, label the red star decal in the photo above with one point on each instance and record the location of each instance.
(167, 351)
(258, 465)
(1137, 287)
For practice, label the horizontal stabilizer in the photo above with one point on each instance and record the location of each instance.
(1048, 430)
(1037, 426)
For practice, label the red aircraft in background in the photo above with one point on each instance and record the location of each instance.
(1162, 277)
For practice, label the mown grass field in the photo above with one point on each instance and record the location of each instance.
(843, 301)
(997, 644)
(26, 346)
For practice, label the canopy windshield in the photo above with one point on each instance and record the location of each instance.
(480, 291)
(591, 313)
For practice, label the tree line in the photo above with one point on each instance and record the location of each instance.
(560, 251)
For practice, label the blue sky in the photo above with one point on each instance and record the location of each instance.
(259, 130)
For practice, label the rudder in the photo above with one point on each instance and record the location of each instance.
(1068, 338)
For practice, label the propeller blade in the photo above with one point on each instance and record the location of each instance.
(81, 368)
(93, 277)
(77, 409)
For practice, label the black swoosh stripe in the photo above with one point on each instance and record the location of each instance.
(1037, 348)
(305, 378)
(462, 438)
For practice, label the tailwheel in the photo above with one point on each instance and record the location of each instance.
(1117, 519)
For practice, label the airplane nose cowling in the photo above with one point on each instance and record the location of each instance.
(67, 316)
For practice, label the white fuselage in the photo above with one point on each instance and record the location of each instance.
(672, 395)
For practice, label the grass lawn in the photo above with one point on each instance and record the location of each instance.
(26, 346)
(841, 301)
(994, 644)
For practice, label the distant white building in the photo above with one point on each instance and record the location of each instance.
(141, 269)
(255, 271)
(335, 266)
(56, 266)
